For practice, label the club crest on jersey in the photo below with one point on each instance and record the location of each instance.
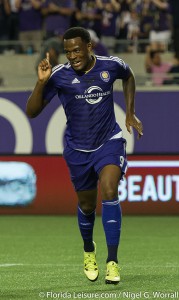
(105, 76)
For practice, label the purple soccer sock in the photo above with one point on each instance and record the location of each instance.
(111, 218)
(86, 224)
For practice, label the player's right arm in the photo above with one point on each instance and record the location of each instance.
(36, 103)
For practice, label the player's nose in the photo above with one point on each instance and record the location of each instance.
(72, 56)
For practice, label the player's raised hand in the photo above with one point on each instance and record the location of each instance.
(132, 120)
(44, 69)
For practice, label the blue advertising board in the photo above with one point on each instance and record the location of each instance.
(44, 134)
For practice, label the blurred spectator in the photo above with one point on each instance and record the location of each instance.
(13, 24)
(110, 10)
(174, 4)
(98, 47)
(57, 16)
(133, 30)
(160, 34)
(155, 66)
(54, 47)
(174, 69)
(122, 22)
(88, 15)
(30, 22)
(4, 12)
(145, 24)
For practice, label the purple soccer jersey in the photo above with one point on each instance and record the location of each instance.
(87, 99)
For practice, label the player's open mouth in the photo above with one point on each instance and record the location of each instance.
(76, 63)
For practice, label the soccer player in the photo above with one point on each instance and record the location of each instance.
(95, 148)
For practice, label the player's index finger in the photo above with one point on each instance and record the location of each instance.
(47, 56)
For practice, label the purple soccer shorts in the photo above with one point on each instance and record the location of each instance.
(85, 167)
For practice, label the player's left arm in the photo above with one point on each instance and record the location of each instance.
(129, 94)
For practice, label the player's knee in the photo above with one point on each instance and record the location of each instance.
(109, 195)
(108, 190)
(87, 208)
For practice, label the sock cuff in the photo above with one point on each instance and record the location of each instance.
(84, 213)
(114, 201)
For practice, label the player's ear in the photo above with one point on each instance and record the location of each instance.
(89, 45)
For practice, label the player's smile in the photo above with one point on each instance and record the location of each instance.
(79, 54)
(75, 64)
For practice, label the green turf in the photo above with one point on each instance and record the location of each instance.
(49, 253)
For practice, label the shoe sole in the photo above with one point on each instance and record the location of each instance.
(111, 282)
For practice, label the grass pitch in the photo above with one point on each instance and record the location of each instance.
(41, 257)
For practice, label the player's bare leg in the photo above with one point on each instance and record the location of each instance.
(87, 200)
(109, 178)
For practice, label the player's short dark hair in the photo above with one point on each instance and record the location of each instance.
(75, 32)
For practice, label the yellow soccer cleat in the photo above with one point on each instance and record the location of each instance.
(90, 265)
(112, 273)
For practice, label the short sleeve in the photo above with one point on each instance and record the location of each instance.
(50, 90)
(122, 69)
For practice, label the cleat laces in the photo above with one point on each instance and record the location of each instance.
(90, 262)
(113, 271)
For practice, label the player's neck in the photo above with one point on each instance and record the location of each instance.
(91, 64)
